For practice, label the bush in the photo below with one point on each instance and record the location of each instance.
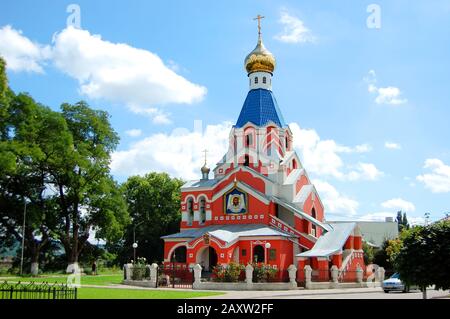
(263, 273)
(230, 273)
(139, 269)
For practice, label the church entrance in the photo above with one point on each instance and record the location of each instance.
(207, 258)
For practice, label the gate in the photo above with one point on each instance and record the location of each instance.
(175, 276)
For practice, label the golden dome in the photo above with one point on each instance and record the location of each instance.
(260, 59)
(205, 169)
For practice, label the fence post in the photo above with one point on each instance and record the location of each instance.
(292, 271)
(380, 274)
(249, 276)
(308, 272)
(197, 277)
(359, 274)
(154, 274)
(127, 271)
(11, 294)
(334, 276)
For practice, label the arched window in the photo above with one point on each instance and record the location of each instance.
(190, 211)
(287, 143)
(248, 139)
(256, 80)
(202, 210)
(246, 160)
(264, 79)
(313, 226)
(294, 164)
(179, 255)
(258, 254)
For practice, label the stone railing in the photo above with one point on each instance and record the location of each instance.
(335, 275)
(145, 282)
(248, 284)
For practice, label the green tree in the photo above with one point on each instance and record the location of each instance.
(425, 255)
(369, 253)
(154, 206)
(87, 197)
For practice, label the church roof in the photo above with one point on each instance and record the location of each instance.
(260, 108)
(229, 233)
(200, 183)
(330, 242)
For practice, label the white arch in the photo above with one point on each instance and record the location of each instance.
(175, 247)
(200, 195)
(187, 199)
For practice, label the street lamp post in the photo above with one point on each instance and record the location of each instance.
(267, 245)
(135, 245)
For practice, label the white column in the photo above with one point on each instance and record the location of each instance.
(359, 274)
(154, 273)
(197, 276)
(308, 271)
(128, 271)
(292, 271)
(334, 276)
(249, 275)
(334, 273)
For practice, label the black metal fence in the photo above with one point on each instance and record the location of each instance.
(37, 291)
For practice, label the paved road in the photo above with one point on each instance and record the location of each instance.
(354, 293)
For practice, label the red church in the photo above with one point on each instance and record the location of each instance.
(260, 205)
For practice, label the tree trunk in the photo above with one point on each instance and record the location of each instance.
(424, 292)
(34, 268)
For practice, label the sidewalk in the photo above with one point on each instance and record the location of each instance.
(251, 294)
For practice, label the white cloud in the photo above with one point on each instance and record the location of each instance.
(121, 73)
(178, 153)
(20, 53)
(322, 156)
(399, 204)
(335, 203)
(392, 146)
(438, 180)
(116, 72)
(364, 171)
(134, 132)
(294, 30)
(385, 95)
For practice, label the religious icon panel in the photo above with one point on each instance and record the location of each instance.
(235, 202)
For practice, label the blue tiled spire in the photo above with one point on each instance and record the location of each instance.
(260, 107)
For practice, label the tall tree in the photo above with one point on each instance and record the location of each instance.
(154, 205)
(88, 198)
(405, 221)
(33, 136)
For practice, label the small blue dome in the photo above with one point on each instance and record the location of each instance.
(260, 107)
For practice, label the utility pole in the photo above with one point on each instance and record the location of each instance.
(23, 235)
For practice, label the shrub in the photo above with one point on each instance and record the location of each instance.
(263, 273)
(139, 269)
(229, 273)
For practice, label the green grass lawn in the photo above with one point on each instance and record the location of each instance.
(106, 293)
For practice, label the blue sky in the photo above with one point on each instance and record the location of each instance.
(369, 106)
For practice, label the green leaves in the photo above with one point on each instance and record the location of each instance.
(425, 255)
(154, 204)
